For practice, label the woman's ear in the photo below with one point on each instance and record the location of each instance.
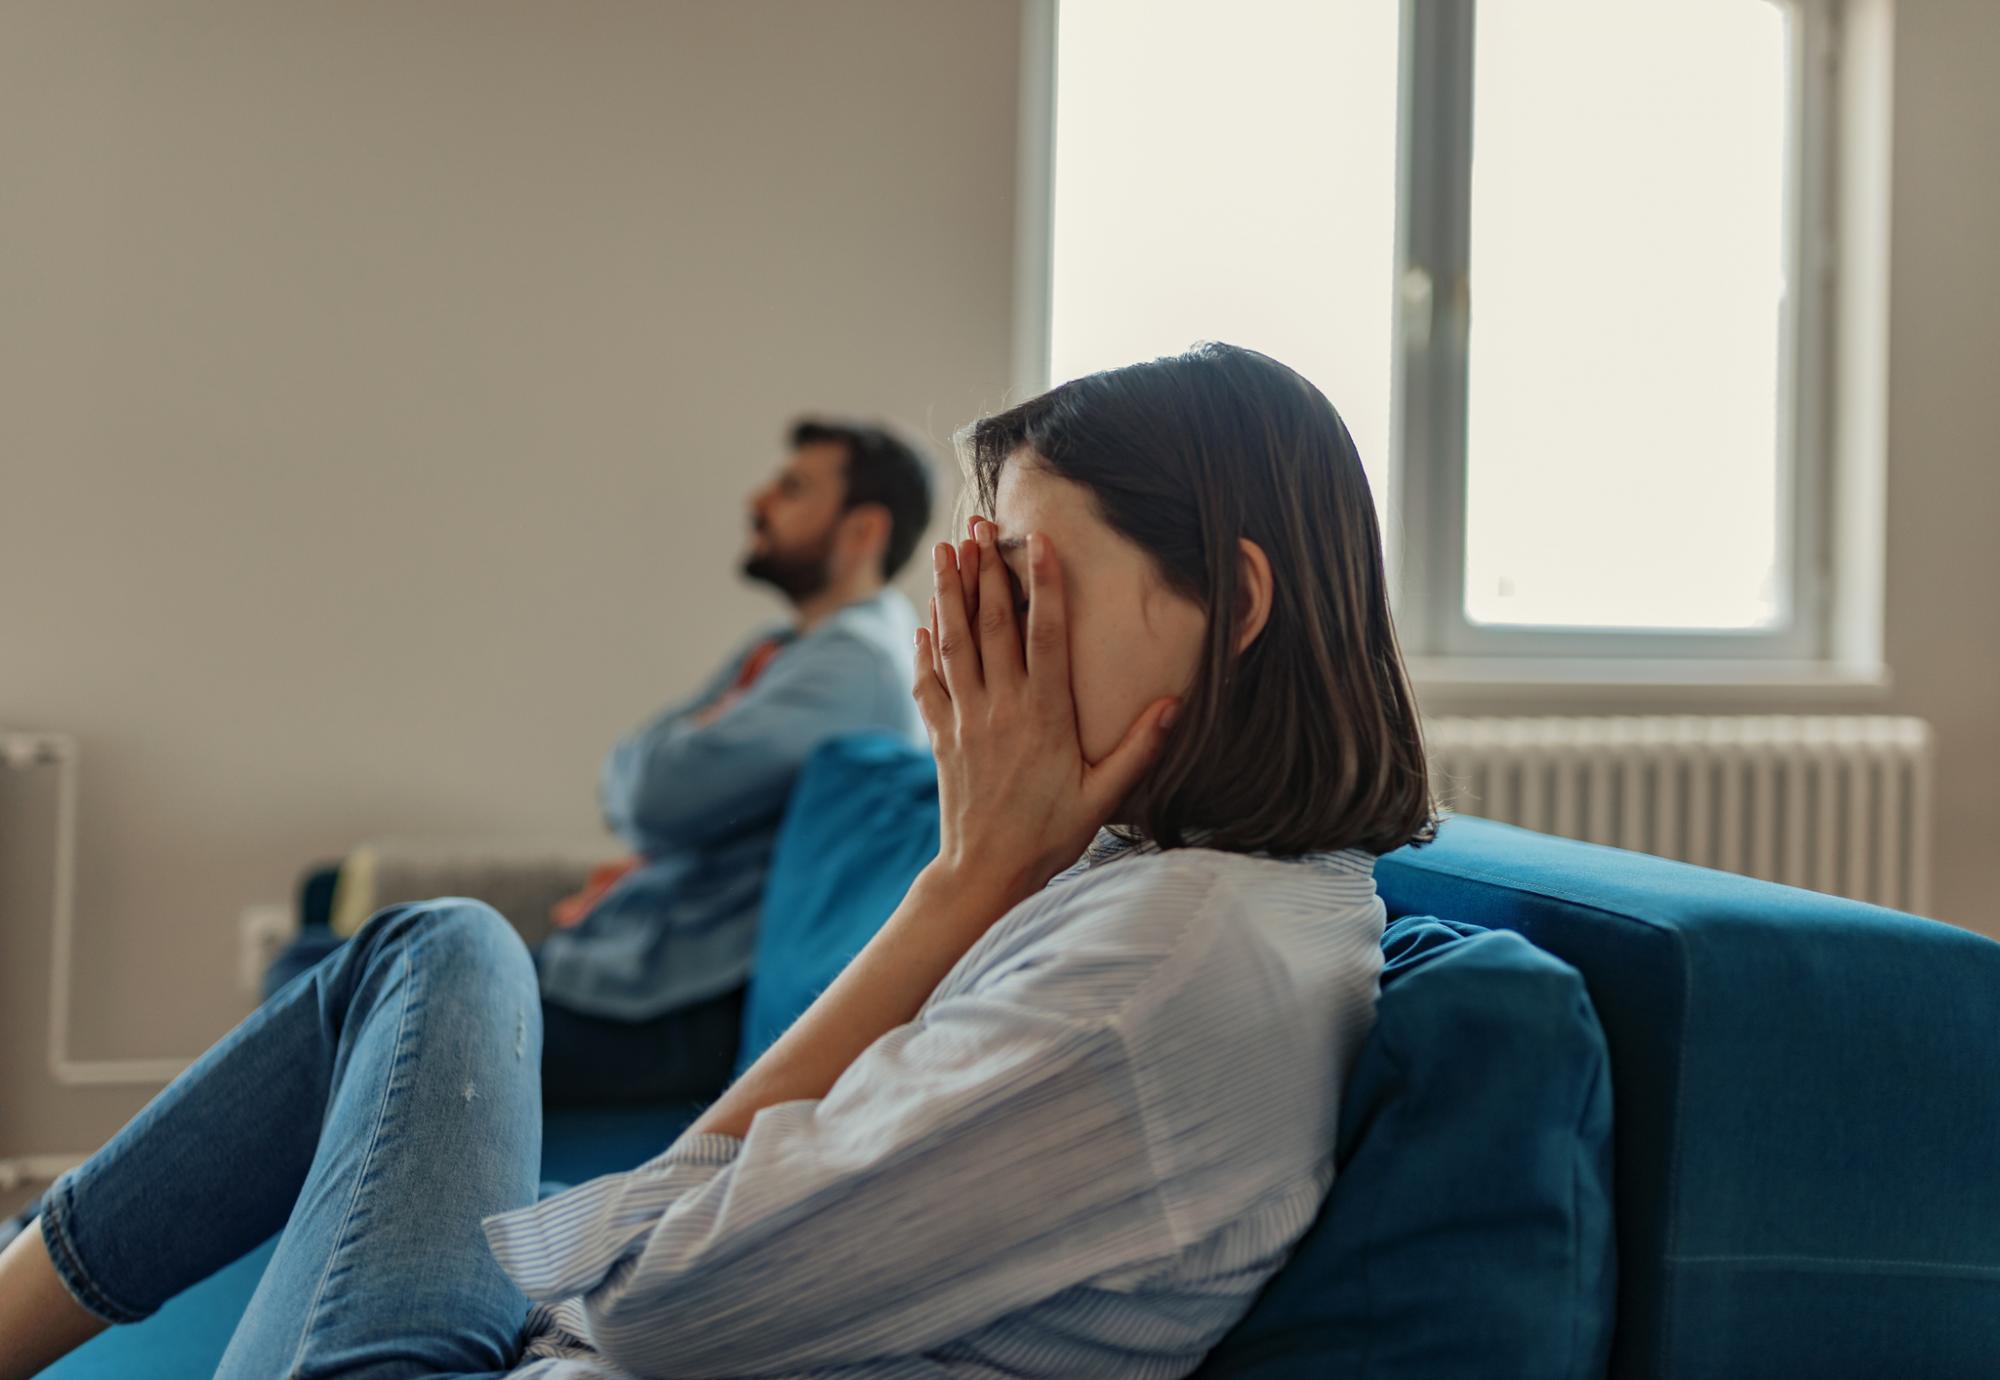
(1253, 592)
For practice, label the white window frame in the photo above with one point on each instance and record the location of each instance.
(1828, 642)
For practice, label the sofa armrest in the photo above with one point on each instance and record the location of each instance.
(519, 877)
(1804, 1104)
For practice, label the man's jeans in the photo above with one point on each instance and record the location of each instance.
(374, 1109)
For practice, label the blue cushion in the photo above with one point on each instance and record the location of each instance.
(186, 1338)
(1468, 1232)
(861, 823)
(1806, 1105)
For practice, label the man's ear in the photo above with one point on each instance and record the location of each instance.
(1253, 592)
(865, 529)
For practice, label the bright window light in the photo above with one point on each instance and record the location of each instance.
(1228, 172)
(1628, 266)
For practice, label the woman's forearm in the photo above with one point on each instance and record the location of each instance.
(943, 915)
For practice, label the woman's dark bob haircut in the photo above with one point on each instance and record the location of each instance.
(1310, 739)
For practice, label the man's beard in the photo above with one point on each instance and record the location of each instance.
(798, 575)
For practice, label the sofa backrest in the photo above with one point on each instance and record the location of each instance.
(861, 822)
(1807, 1105)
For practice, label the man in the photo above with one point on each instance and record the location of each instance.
(642, 996)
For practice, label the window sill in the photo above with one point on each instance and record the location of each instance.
(1615, 681)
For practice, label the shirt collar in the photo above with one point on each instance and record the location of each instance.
(1111, 844)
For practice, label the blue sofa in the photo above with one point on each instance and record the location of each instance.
(1796, 1160)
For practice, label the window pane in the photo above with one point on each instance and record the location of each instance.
(1628, 267)
(1228, 172)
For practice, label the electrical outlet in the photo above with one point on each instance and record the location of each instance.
(261, 935)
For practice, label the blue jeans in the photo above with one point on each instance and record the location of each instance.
(596, 1061)
(375, 1109)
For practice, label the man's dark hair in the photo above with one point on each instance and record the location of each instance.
(1310, 739)
(881, 468)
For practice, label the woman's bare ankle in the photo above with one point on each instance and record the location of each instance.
(39, 1322)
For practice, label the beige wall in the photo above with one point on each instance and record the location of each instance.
(379, 384)
(1942, 628)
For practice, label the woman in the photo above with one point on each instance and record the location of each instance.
(1063, 1115)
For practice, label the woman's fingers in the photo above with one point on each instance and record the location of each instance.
(956, 649)
(999, 641)
(968, 578)
(969, 570)
(927, 690)
(1048, 633)
(1113, 778)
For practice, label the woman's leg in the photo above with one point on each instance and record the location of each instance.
(39, 1322)
(375, 1109)
(306, 952)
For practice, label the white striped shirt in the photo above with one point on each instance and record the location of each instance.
(1101, 1135)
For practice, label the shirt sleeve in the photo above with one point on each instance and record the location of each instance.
(614, 783)
(968, 1164)
(677, 782)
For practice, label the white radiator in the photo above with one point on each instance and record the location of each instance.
(1836, 804)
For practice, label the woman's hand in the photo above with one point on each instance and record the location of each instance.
(1019, 804)
(1018, 801)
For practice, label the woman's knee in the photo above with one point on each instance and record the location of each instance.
(464, 931)
(454, 932)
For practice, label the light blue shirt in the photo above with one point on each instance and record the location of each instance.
(1103, 1132)
(702, 804)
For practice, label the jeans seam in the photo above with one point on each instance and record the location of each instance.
(411, 979)
(63, 1255)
